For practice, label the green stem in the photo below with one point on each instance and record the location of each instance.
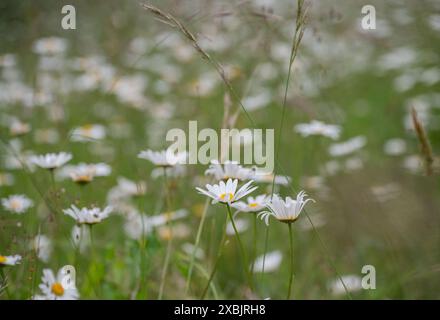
(169, 245)
(243, 253)
(217, 259)
(196, 246)
(291, 261)
(254, 249)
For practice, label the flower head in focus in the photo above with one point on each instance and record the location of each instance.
(227, 192)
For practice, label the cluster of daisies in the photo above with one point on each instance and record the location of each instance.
(55, 287)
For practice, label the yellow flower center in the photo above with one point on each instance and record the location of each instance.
(15, 204)
(57, 289)
(253, 205)
(224, 195)
(82, 178)
(2, 259)
(87, 129)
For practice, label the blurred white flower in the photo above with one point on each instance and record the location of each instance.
(88, 132)
(190, 249)
(318, 128)
(18, 128)
(394, 147)
(83, 173)
(413, 163)
(287, 210)
(227, 192)
(229, 170)
(51, 160)
(164, 158)
(50, 46)
(347, 147)
(10, 260)
(272, 261)
(17, 203)
(88, 216)
(241, 225)
(352, 283)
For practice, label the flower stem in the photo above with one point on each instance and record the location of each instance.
(254, 249)
(169, 245)
(217, 259)
(243, 253)
(291, 262)
(196, 246)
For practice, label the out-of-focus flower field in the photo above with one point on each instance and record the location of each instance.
(358, 129)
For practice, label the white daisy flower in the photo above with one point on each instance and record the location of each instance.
(17, 203)
(50, 45)
(88, 132)
(164, 158)
(272, 261)
(265, 177)
(125, 189)
(51, 161)
(241, 224)
(88, 216)
(352, 283)
(61, 287)
(395, 147)
(18, 128)
(347, 147)
(227, 192)
(84, 173)
(285, 210)
(318, 128)
(10, 260)
(229, 170)
(252, 204)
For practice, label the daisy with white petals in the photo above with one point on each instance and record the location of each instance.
(88, 216)
(17, 203)
(252, 204)
(318, 128)
(61, 287)
(286, 211)
(227, 192)
(10, 260)
(51, 161)
(164, 158)
(229, 170)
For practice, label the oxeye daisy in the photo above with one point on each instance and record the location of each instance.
(88, 216)
(227, 192)
(88, 132)
(252, 204)
(17, 203)
(61, 287)
(51, 161)
(164, 158)
(229, 170)
(318, 128)
(10, 260)
(285, 210)
(84, 173)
